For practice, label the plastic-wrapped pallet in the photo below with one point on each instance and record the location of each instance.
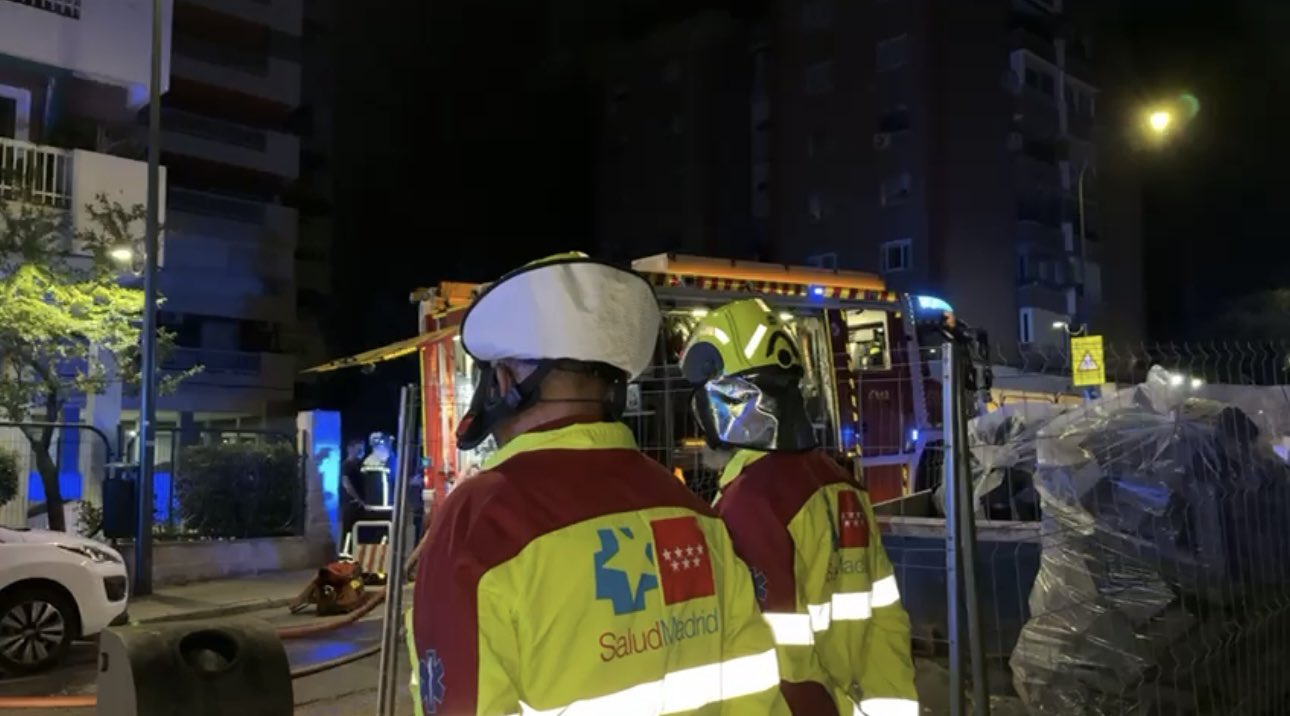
(1165, 564)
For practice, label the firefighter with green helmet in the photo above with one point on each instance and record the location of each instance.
(801, 522)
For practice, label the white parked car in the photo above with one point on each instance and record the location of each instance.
(54, 588)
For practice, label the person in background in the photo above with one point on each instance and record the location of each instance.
(574, 574)
(800, 521)
(353, 501)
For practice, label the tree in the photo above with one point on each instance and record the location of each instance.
(68, 323)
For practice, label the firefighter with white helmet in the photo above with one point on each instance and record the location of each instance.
(574, 575)
(801, 522)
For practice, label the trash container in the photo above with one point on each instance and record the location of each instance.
(225, 668)
(120, 502)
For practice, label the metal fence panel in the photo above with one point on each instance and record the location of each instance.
(1132, 548)
(245, 483)
(78, 456)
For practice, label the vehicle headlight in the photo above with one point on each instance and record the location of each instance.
(94, 554)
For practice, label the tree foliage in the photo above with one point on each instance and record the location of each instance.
(9, 475)
(70, 319)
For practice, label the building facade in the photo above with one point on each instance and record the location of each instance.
(953, 147)
(675, 148)
(232, 147)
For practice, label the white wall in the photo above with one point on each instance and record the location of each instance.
(110, 42)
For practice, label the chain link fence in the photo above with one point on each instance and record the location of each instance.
(1131, 548)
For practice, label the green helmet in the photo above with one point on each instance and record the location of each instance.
(746, 367)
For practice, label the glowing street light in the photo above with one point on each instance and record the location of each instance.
(122, 254)
(1160, 120)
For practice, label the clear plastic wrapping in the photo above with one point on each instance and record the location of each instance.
(1164, 575)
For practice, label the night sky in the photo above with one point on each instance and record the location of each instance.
(465, 134)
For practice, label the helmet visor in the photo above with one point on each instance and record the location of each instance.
(759, 411)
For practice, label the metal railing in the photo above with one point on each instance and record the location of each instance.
(222, 207)
(35, 173)
(226, 483)
(74, 465)
(66, 8)
(218, 130)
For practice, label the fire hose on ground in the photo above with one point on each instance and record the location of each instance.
(302, 631)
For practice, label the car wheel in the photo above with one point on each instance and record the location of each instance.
(36, 629)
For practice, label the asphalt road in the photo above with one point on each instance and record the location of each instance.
(345, 690)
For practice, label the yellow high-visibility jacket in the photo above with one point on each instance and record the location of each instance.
(824, 582)
(577, 576)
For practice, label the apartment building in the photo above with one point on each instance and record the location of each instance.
(950, 146)
(675, 149)
(954, 147)
(315, 332)
(71, 72)
(231, 145)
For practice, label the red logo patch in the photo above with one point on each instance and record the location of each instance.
(853, 528)
(684, 565)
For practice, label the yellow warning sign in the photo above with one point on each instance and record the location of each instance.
(1087, 366)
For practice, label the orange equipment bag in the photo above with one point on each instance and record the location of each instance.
(338, 589)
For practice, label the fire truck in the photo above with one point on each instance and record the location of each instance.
(872, 383)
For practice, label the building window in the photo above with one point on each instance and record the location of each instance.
(1041, 80)
(827, 260)
(895, 256)
(817, 14)
(895, 119)
(1026, 325)
(895, 189)
(1023, 269)
(818, 78)
(66, 8)
(15, 113)
(892, 53)
(815, 207)
(818, 144)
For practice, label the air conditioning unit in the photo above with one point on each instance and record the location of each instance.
(881, 140)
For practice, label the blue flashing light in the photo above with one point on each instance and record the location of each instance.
(933, 303)
(913, 435)
(817, 290)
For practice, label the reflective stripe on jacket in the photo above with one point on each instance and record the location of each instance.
(577, 576)
(824, 582)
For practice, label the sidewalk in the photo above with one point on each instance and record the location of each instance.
(220, 598)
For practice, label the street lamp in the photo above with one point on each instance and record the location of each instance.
(1065, 326)
(1160, 120)
(122, 255)
(148, 337)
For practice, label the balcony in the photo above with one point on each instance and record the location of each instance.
(1026, 38)
(197, 212)
(109, 42)
(231, 381)
(238, 288)
(71, 179)
(254, 73)
(1040, 236)
(283, 15)
(223, 142)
